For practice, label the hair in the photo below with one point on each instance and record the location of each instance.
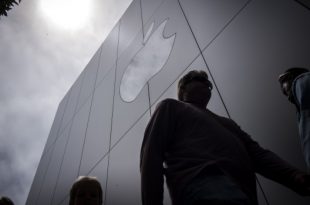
(80, 181)
(194, 75)
(291, 74)
(5, 201)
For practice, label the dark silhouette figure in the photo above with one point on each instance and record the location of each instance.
(295, 84)
(206, 158)
(86, 191)
(5, 201)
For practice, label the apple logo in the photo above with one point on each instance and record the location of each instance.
(147, 62)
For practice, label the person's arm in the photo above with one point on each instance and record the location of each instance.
(302, 101)
(301, 91)
(271, 166)
(152, 155)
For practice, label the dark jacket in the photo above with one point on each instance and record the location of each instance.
(182, 140)
(301, 94)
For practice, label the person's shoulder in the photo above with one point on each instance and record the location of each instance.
(305, 77)
(302, 82)
(219, 117)
(169, 101)
(224, 120)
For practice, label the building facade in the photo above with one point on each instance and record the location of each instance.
(242, 44)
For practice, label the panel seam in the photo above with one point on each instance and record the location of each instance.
(216, 36)
(90, 109)
(112, 115)
(69, 134)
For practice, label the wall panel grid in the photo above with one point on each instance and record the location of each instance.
(99, 125)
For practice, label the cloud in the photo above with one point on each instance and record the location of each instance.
(39, 63)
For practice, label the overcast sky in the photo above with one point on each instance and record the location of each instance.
(42, 51)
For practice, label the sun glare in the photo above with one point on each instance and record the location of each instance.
(67, 14)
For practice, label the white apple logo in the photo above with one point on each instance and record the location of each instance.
(148, 61)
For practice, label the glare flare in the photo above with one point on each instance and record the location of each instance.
(67, 14)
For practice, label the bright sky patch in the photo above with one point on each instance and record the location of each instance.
(67, 14)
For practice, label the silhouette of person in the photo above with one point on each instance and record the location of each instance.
(5, 201)
(295, 84)
(205, 158)
(86, 190)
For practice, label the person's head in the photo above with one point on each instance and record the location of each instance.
(286, 79)
(86, 191)
(195, 87)
(5, 201)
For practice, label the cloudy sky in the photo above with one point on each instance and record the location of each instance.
(44, 45)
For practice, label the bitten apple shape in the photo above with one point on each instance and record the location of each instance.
(148, 61)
